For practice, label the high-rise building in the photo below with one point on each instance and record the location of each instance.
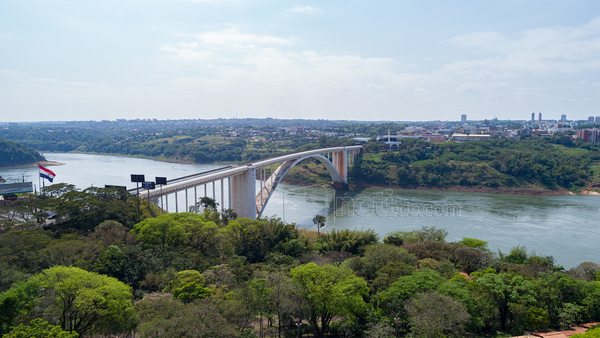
(563, 118)
(532, 117)
(540, 117)
(590, 119)
(597, 119)
(589, 135)
(463, 118)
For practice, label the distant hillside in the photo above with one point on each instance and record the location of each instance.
(13, 153)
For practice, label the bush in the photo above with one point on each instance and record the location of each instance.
(353, 241)
(417, 236)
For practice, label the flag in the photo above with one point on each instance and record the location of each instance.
(46, 173)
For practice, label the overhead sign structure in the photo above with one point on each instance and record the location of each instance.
(137, 178)
(148, 185)
(120, 187)
(16, 188)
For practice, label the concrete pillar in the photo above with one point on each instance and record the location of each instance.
(243, 194)
(340, 162)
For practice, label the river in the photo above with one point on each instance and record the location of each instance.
(565, 227)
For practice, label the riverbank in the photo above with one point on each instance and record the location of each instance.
(29, 165)
(487, 190)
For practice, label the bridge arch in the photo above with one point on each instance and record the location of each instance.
(262, 198)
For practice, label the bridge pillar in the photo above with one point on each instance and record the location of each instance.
(340, 162)
(243, 194)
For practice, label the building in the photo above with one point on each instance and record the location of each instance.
(361, 140)
(472, 137)
(396, 138)
(539, 117)
(434, 138)
(563, 118)
(532, 117)
(589, 135)
(597, 119)
(463, 118)
(590, 119)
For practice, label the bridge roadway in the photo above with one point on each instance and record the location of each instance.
(241, 179)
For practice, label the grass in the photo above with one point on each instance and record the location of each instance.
(371, 157)
(570, 151)
(312, 235)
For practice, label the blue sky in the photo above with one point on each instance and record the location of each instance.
(356, 60)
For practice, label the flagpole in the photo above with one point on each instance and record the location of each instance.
(39, 180)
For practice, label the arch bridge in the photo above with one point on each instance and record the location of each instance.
(240, 183)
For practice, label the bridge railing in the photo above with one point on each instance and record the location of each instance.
(284, 158)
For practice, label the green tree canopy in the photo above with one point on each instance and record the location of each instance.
(38, 328)
(329, 291)
(75, 299)
(188, 286)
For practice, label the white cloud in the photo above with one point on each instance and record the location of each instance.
(304, 9)
(273, 73)
(232, 36)
(539, 52)
(480, 87)
(187, 53)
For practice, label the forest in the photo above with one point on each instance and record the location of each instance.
(13, 154)
(108, 265)
(549, 163)
(197, 141)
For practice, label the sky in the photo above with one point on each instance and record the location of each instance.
(397, 60)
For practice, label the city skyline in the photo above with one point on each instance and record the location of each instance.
(388, 61)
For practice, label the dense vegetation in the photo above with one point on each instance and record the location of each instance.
(199, 141)
(13, 153)
(548, 163)
(102, 267)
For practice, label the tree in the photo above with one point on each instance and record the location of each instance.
(163, 231)
(586, 271)
(377, 256)
(207, 202)
(75, 299)
(279, 300)
(228, 215)
(474, 243)
(353, 241)
(434, 315)
(319, 221)
(39, 328)
(58, 189)
(472, 259)
(329, 291)
(260, 294)
(162, 316)
(417, 236)
(18, 300)
(188, 286)
(506, 289)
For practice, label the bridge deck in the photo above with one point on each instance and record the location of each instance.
(182, 183)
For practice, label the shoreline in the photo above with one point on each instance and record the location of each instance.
(486, 190)
(44, 163)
